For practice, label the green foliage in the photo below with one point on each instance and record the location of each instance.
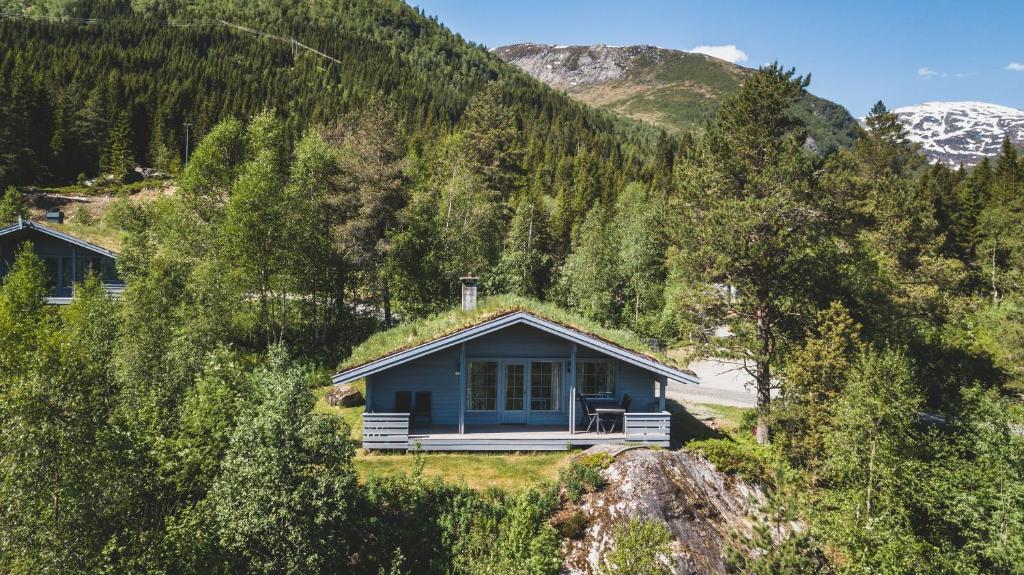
(524, 267)
(871, 464)
(511, 538)
(756, 222)
(286, 484)
(642, 547)
(815, 375)
(777, 544)
(590, 277)
(12, 206)
(582, 476)
(747, 460)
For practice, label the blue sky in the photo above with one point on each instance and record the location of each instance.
(900, 51)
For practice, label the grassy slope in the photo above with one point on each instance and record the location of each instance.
(679, 91)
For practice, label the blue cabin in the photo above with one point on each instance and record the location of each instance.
(67, 259)
(514, 381)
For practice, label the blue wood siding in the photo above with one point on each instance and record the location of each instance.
(70, 270)
(436, 373)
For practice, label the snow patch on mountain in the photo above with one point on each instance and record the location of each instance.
(961, 132)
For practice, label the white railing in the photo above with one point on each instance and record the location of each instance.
(648, 428)
(385, 431)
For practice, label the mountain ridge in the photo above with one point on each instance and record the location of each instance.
(672, 89)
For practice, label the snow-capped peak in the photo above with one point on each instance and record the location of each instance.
(961, 132)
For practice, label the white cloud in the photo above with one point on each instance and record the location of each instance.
(1015, 67)
(728, 52)
(926, 72)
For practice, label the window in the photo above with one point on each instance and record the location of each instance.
(482, 386)
(595, 378)
(515, 386)
(545, 385)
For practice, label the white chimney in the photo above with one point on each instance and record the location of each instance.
(468, 293)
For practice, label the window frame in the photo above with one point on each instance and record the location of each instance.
(612, 375)
(469, 386)
(557, 373)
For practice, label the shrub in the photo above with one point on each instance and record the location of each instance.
(84, 216)
(578, 478)
(749, 461)
(641, 545)
(599, 460)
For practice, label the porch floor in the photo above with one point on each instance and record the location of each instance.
(505, 438)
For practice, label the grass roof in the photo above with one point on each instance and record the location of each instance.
(412, 334)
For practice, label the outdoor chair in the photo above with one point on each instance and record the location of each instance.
(588, 411)
(421, 412)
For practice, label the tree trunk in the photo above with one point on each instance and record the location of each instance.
(386, 296)
(763, 378)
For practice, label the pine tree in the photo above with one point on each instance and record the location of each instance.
(117, 156)
(752, 220)
(884, 148)
(12, 206)
(371, 191)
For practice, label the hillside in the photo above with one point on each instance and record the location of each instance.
(90, 86)
(671, 89)
(957, 133)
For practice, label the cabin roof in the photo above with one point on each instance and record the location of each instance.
(28, 225)
(406, 343)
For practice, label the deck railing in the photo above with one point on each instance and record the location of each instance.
(385, 431)
(648, 428)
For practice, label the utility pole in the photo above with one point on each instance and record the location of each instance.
(187, 126)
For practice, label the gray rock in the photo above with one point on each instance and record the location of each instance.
(681, 489)
(344, 396)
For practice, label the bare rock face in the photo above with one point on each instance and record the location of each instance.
(567, 67)
(681, 489)
(344, 396)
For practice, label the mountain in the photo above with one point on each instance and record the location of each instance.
(672, 89)
(962, 132)
(81, 77)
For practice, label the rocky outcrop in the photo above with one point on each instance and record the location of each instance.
(681, 489)
(344, 396)
(567, 67)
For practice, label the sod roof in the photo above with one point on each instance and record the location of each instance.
(412, 334)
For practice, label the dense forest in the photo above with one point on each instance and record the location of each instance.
(81, 99)
(173, 430)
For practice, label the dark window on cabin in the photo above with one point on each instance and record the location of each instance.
(482, 386)
(545, 385)
(595, 378)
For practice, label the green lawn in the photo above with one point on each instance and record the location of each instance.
(479, 471)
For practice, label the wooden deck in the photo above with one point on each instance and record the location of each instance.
(505, 438)
(392, 431)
